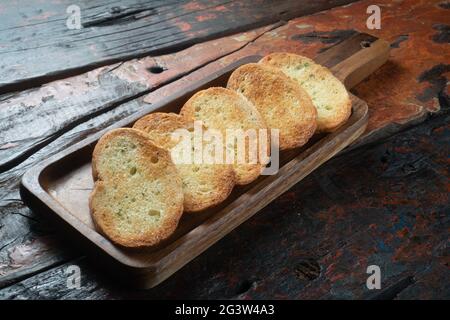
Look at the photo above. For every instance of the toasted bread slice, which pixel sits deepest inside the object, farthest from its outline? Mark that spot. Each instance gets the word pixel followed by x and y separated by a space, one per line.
pixel 204 185
pixel 222 109
pixel 281 102
pixel 137 199
pixel 327 93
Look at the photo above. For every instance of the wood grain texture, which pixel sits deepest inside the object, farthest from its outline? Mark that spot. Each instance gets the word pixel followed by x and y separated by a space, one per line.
pixel 303 35
pixel 413 84
pixel 32 118
pixel 11 178
pixel 404 91
pixel 415 81
pixel 28 242
pixel 63 183
pixel 23 229
pixel 370 206
pixel 34 36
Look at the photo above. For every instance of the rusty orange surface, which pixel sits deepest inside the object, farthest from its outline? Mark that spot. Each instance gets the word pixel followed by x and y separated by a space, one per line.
pixel 410 85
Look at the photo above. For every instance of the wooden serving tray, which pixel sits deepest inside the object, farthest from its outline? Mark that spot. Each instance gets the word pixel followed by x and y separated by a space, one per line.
pixel 60 185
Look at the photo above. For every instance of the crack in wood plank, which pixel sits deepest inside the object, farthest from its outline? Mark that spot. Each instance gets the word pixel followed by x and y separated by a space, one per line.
pixel 73 135
pixel 67 103
pixel 31 51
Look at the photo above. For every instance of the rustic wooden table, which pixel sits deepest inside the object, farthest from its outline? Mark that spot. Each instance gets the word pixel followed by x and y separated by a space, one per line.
pixel 384 202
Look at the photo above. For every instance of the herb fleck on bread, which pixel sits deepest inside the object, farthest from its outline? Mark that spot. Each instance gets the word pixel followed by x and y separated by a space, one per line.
pixel 204 185
pixel 327 93
pixel 137 199
pixel 281 102
pixel 223 109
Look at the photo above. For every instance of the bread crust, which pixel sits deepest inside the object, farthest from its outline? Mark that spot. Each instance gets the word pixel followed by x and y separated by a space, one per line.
pixel 225 109
pixel 204 185
pixel 328 94
pixel 281 102
pixel 116 186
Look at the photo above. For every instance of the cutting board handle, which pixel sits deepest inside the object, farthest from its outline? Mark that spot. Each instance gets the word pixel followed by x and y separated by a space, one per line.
pixel 372 54
pixel 363 63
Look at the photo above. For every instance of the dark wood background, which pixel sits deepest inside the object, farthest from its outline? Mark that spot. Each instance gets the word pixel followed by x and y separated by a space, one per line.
pixel 385 202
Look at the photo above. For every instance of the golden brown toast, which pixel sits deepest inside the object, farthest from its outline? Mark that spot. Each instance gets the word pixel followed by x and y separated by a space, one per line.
pixel 137 199
pixel 204 185
pixel 221 109
pixel 281 102
pixel 327 93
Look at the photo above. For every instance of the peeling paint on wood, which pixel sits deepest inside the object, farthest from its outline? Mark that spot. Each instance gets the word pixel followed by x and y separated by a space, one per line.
pixel 33 117
pixel 395 213
pixel 32 44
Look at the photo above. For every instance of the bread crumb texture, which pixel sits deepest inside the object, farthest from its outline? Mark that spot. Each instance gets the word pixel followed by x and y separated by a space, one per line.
pixel 137 199
pixel 282 103
pixel 204 185
pixel 223 109
pixel 327 93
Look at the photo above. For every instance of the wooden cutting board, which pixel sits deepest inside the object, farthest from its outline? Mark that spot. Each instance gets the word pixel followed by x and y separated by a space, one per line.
pixel 60 186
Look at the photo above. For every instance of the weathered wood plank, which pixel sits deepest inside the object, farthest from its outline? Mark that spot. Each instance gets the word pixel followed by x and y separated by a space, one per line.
pixel 35 37
pixel 424 286
pixel 15 218
pixel 412 90
pixel 10 179
pixel 403 92
pixel 411 85
pixel 317 240
pixel 351 41
pixel 395 101
pixel 401 107
pixel 32 118
pixel 28 242
pixel 414 82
